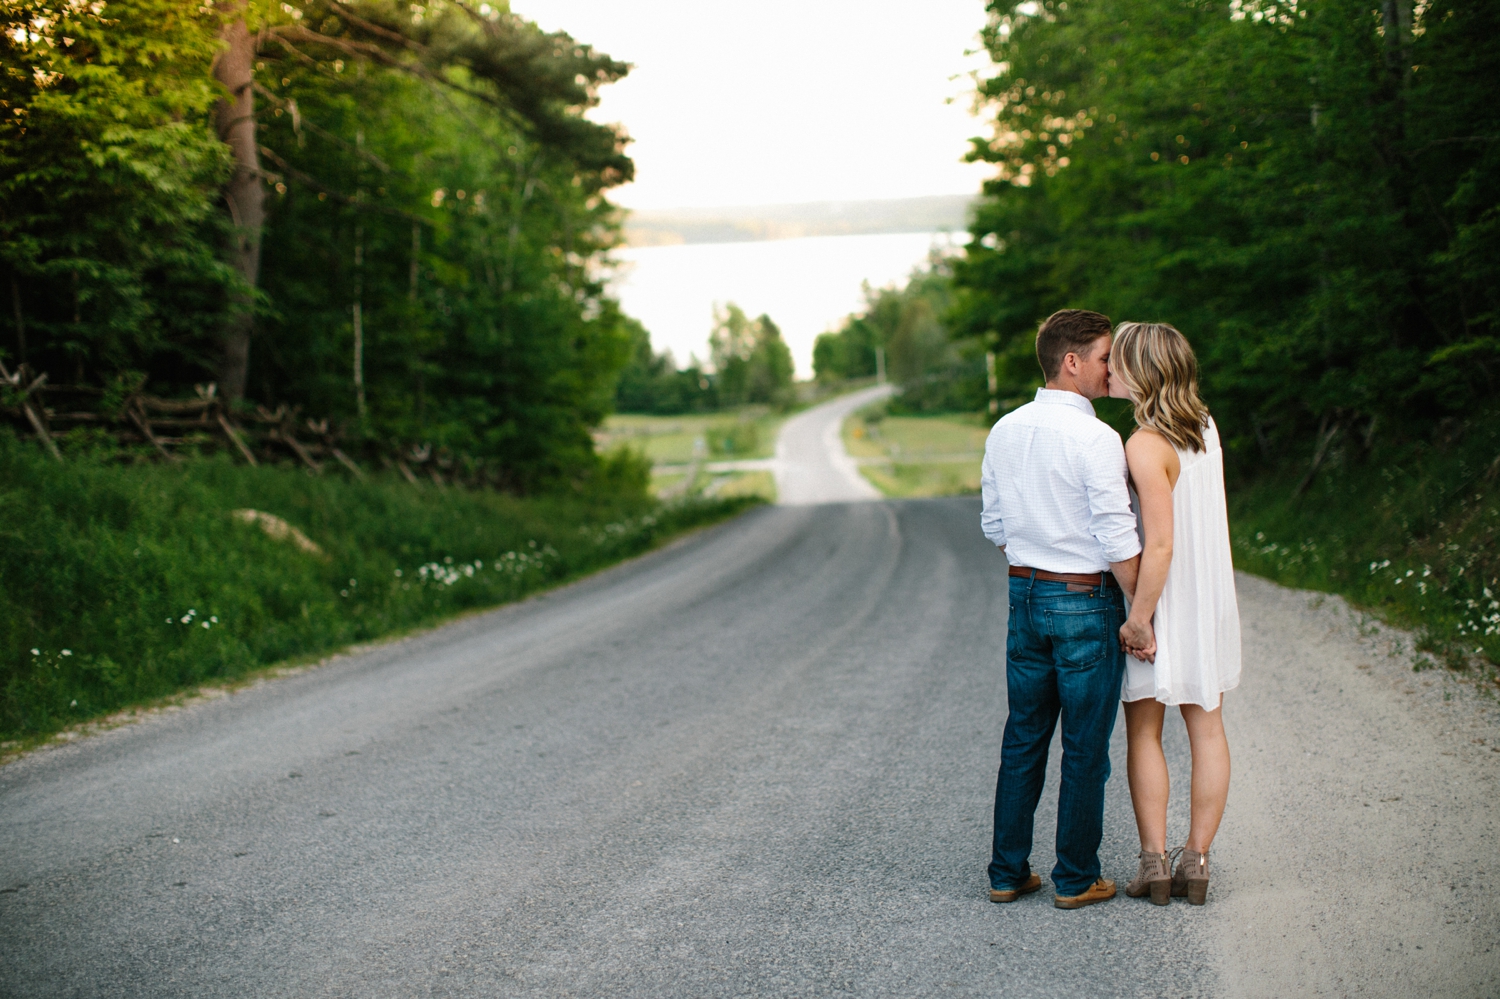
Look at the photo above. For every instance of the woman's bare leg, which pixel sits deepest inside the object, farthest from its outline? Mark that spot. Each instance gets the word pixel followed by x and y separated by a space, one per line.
pixel 1210 773
pixel 1146 766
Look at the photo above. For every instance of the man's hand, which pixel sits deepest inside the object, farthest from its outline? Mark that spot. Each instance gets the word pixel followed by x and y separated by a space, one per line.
pixel 1138 639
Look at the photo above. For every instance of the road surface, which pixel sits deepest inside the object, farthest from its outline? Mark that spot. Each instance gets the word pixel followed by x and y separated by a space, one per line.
pixel 759 762
pixel 811 463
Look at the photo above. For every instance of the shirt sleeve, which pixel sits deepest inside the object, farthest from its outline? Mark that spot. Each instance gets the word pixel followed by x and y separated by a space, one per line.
pixel 990 520
pixel 1111 521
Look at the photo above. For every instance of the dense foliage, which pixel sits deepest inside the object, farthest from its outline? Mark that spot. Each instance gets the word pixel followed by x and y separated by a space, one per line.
pixel 434 209
pixel 109 173
pixel 652 383
pixel 752 363
pixel 909 325
pixel 123 583
pixel 1308 190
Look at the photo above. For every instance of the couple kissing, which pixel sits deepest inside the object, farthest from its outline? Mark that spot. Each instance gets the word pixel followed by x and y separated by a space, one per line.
pixel 1121 588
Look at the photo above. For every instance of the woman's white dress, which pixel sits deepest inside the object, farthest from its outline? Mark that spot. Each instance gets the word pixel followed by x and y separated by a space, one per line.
pixel 1197 620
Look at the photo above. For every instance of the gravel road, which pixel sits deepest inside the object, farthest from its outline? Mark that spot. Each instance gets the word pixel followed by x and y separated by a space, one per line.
pixel 759 762
pixel 811 464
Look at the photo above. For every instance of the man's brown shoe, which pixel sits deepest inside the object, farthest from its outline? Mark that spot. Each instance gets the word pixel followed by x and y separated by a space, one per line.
pixel 1100 891
pixel 1011 894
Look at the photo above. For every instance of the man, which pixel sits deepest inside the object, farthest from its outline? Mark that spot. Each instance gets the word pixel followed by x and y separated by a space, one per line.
pixel 1056 503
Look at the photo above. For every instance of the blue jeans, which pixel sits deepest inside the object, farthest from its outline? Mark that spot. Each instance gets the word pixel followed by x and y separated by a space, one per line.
pixel 1062 655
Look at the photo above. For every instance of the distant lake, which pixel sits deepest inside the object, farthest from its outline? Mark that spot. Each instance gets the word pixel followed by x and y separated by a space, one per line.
pixel 806 285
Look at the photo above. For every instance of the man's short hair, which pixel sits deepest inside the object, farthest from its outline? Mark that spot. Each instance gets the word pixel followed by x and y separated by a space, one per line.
pixel 1069 331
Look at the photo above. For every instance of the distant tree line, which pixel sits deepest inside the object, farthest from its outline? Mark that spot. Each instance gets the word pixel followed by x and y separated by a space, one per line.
pixel 379 212
pixel 750 365
pixel 1309 191
pixel 935 371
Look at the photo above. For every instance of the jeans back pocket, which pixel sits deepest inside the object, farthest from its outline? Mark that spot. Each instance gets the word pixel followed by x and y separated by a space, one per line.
pixel 1080 637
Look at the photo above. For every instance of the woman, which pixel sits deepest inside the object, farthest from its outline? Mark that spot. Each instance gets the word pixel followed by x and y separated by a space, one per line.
pixel 1183 628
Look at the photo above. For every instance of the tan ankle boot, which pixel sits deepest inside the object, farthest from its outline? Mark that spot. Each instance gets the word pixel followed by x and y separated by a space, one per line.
pixel 1191 876
pixel 1154 878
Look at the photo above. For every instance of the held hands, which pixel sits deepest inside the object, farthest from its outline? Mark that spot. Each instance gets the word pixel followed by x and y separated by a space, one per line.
pixel 1138 639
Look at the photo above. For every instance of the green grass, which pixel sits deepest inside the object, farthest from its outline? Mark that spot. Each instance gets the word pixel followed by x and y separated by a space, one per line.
pixel 1412 536
pixel 670 441
pixel 122 583
pixel 745 433
pixel 910 456
pixel 760 485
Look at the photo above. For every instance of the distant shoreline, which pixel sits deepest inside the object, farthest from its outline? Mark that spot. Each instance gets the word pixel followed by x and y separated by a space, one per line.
pixel 758 223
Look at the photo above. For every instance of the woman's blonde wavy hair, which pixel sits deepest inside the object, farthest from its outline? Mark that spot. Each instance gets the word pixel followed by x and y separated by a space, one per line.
pixel 1158 366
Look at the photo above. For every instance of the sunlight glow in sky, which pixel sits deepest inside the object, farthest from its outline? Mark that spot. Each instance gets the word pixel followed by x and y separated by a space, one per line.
pixel 785 100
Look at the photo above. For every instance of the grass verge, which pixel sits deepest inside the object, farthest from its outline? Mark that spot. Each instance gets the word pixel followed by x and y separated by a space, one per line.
pixel 1414 537
pixel 122 584
pixel 908 456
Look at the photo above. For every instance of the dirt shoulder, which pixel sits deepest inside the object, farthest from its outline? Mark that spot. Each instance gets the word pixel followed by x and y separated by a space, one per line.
pixel 1358 853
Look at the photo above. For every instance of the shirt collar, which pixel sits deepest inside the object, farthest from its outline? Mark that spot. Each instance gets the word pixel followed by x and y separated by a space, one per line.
pixel 1057 397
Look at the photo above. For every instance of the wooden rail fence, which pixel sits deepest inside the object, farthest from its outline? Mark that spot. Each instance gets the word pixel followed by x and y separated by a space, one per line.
pixel 46 411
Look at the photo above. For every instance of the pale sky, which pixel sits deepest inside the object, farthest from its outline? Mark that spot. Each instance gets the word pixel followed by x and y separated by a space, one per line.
pixel 734 103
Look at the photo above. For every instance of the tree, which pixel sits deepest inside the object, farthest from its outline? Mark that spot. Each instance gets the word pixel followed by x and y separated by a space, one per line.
pixel 108 179
pixel 910 324
pixel 651 383
pixel 434 202
pixel 245 191
pixel 537 82
pixel 751 361
pixel 1307 191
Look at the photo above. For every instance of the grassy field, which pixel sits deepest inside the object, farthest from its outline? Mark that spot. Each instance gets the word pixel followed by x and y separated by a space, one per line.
pixel 672 443
pixel 123 583
pixel 670 440
pixel 907 456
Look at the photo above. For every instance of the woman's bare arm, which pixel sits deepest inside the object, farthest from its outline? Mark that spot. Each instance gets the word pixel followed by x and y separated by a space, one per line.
pixel 1154 467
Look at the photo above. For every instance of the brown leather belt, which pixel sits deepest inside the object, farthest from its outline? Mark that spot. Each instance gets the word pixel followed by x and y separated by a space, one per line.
pixel 1077 578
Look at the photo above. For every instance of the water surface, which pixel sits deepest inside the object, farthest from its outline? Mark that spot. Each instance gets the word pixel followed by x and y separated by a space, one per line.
pixel 806 285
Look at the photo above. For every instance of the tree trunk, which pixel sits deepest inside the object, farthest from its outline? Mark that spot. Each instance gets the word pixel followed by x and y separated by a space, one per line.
pixel 245 195
pixel 359 320
pixel 15 301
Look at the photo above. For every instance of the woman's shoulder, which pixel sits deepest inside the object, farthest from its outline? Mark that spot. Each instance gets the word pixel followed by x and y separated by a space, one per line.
pixel 1151 440
pixel 1149 453
pixel 1145 441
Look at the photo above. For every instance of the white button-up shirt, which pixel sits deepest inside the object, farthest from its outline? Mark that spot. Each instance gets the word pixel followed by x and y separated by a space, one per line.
pixel 1054 487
